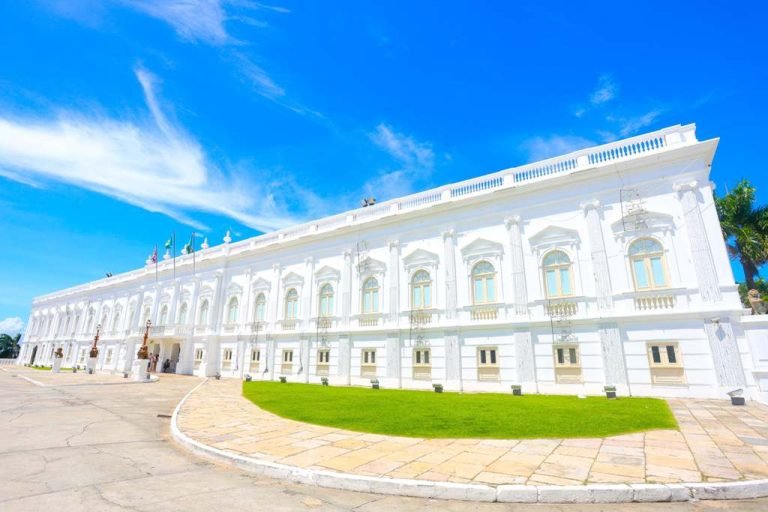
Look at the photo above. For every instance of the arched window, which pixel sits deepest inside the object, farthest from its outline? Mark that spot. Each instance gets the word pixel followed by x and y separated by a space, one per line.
pixel 291 304
pixel 261 306
pixel 202 318
pixel 163 315
pixel 557 274
pixel 232 309
pixel 370 296
pixel 421 290
pixel 183 314
pixel 115 320
pixel 648 268
pixel 326 300
pixel 483 283
pixel 147 315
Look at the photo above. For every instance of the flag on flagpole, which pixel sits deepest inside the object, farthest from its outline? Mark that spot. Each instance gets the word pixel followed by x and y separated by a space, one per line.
pixel 154 260
pixel 171 243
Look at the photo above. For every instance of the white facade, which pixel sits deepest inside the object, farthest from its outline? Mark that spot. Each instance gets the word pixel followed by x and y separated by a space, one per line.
pixel 602 267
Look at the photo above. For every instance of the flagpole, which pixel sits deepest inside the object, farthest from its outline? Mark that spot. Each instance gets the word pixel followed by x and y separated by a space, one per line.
pixel 193 253
pixel 173 239
pixel 155 263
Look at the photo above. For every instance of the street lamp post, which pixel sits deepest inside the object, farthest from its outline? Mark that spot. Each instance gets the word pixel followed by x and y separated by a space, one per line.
pixel 140 363
pixel 94 354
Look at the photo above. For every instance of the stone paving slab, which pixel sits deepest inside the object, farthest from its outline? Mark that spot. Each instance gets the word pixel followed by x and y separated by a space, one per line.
pixel 47 378
pixel 716 442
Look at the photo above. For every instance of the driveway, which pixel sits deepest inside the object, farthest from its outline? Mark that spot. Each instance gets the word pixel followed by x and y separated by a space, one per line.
pixel 106 446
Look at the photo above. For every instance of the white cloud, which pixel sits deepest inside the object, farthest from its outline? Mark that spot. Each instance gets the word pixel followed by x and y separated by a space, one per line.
pixel 154 165
pixel 541 148
pixel 631 125
pixel 193 20
pixel 11 325
pixel 607 88
pixel 415 159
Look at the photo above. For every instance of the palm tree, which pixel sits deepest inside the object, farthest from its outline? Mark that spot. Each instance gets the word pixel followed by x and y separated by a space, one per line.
pixel 745 229
pixel 9 346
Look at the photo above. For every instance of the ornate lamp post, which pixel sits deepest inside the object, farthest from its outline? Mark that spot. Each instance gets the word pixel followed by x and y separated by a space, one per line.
pixel 144 351
pixel 94 350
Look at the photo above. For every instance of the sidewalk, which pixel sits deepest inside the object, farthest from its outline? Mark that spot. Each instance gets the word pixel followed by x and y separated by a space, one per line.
pixel 67 378
pixel 717 443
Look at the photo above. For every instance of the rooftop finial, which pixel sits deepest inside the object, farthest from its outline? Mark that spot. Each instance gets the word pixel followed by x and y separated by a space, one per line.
pixel 204 245
pixel 227 238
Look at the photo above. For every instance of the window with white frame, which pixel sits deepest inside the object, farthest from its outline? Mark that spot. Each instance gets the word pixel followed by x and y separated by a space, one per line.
pixel 487 363
pixel 183 314
pixel 109 356
pixel 287 365
pixel 291 304
pixel 232 309
pixel 163 315
pixel 665 363
pixel 567 363
pixel 147 315
pixel 483 283
pixel 649 269
pixel 227 357
pixel 202 317
pixel 198 355
pixel 115 320
pixel 422 364
pixel 255 359
pixel 326 300
pixel 558 279
pixel 370 296
pixel 81 359
pixel 421 290
pixel 323 361
pixel 260 308
pixel 368 362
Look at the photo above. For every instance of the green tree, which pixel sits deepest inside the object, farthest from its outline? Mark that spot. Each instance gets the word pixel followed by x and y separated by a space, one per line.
pixel 745 229
pixel 9 346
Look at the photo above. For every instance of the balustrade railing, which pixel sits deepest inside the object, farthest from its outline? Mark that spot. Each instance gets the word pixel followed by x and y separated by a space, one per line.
pixel 650 302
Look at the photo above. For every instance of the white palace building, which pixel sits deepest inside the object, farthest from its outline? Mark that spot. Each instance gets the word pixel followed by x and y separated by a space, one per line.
pixel 606 266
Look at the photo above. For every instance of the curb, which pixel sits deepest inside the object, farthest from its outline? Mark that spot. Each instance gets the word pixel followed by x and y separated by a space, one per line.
pixel 591 493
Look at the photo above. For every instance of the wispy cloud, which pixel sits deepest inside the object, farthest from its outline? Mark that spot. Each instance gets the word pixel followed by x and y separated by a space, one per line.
pixel 193 20
pixel 154 165
pixel 541 148
pixel 11 325
pixel 607 89
pixel 415 160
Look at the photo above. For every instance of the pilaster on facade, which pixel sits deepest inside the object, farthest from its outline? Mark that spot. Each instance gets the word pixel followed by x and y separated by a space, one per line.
pixel 701 254
pixel 599 256
pixel 517 260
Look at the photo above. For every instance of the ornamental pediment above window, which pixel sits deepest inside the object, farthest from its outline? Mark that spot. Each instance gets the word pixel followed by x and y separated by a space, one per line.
pixel 643 222
pixel 261 284
pixel 554 236
pixel 369 266
pixel 234 289
pixel 482 248
pixel 292 279
pixel 326 273
pixel 420 258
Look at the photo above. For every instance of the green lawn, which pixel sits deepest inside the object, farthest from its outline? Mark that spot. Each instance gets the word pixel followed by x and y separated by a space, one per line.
pixel 47 368
pixel 481 415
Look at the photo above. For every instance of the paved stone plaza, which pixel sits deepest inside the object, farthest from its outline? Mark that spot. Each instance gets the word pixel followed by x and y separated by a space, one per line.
pixel 717 442
pixel 103 447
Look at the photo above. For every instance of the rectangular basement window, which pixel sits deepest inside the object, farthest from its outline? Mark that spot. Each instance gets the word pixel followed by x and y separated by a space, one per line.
pixel 287 366
pixel 255 359
pixel 665 364
pixel 422 364
pixel 227 358
pixel 368 362
pixel 198 357
pixel 323 361
pixel 487 363
pixel 567 364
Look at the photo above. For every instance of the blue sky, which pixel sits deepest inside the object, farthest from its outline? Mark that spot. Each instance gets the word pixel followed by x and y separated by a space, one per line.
pixel 123 120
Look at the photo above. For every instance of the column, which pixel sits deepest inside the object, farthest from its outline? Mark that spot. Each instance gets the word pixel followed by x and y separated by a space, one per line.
pixel 305 347
pixel 614 363
pixel 394 360
pixel 274 312
pixel 345 358
pixel 244 353
pixel 725 354
pixel 174 304
pixel 703 265
pixel 453 379
pixel 526 362
pixel 186 364
pixel 449 251
pixel 269 358
pixel 308 292
pixel 211 364
pixel 394 282
pixel 346 285
pixel 519 288
pixel 603 290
